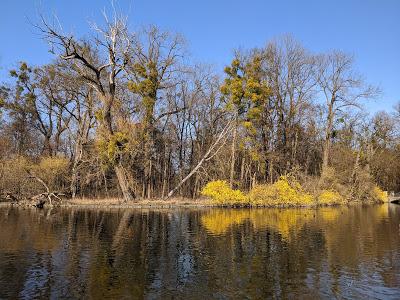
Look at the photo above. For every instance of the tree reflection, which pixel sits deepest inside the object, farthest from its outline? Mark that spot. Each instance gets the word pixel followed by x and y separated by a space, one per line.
pixel 213 253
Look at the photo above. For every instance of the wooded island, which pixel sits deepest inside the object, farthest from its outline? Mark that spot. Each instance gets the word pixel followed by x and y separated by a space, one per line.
pixel 129 114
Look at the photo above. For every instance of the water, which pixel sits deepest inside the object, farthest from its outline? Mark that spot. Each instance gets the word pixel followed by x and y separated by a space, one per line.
pixel 345 253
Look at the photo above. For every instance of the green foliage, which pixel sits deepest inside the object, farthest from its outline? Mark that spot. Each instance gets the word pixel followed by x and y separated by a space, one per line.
pixel 247 94
pixel 146 85
pixel 111 148
pixel 246 90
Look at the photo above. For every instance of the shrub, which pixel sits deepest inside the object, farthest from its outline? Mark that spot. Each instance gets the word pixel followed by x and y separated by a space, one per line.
pixel 263 194
pixel 220 192
pixel 379 195
pixel 15 179
pixel 286 191
pixel 52 166
pixel 13 175
pixel 330 197
pixel 53 170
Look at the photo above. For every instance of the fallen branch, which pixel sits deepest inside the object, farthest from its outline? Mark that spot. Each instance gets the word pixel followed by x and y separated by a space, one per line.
pixel 48 194
pixel 10 197
pixel 207 156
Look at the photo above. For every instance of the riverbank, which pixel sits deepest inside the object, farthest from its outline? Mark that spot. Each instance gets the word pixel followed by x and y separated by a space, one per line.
pixel 141 203
pixel 120 203
pixel 160 203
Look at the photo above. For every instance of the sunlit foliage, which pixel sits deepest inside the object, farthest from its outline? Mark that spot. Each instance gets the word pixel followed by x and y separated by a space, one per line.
pixel 286 191
pixel 52 170
pixel 380 195
pixel 330 197
pixel 220 192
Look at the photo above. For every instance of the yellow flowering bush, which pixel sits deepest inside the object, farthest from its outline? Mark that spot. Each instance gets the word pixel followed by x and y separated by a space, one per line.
pixel 379 195
pixel 220 192
pixel 286 191
pixel 263 194
pixel 330 197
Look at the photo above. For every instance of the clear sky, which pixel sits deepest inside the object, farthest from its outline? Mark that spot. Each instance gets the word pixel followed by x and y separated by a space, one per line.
pixel 369 29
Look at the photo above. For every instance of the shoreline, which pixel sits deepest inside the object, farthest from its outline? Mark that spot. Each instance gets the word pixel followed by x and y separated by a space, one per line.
pixel 165 204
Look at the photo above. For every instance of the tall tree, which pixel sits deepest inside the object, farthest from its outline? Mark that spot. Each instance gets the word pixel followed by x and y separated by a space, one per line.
pixel 98 63
pixel 153 69
pixel 341 88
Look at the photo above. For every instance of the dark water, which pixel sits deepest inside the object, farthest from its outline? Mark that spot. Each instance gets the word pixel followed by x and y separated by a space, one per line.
pixel 348 252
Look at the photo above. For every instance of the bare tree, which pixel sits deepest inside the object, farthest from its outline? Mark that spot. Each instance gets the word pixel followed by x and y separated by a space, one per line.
pixel 153 71
pixel 341 88
pixel 98 63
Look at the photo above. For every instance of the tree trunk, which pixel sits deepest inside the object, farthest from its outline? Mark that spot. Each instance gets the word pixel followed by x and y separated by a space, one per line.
pixel 355 168
pixel 208 155
pixel 123 183
pixel 81 139
pixel 328 135
pixel 233 152
pixel 47 149
pixel 118 168
pixel 242 168
pixel 74 171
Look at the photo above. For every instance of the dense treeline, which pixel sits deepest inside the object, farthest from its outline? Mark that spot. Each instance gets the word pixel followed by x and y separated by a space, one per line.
pixel 128 114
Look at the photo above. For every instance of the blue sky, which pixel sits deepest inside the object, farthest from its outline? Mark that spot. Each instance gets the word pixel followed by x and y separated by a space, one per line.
pixel 369 29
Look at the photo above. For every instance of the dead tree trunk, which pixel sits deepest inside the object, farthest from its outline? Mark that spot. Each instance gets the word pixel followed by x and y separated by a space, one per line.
pixel 207 156
pixel 48 194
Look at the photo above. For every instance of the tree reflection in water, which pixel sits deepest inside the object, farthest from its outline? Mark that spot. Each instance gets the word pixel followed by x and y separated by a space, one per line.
pixel 341 252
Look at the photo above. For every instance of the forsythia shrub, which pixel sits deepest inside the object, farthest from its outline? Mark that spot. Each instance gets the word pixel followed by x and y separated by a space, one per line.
pixel 330 197
pixel 379 195
pixel 286 191
pixel 263 194
pixel 222 194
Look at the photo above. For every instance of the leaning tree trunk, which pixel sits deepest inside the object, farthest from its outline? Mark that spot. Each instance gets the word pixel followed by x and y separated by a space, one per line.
pixel 221 139
pixel 123 183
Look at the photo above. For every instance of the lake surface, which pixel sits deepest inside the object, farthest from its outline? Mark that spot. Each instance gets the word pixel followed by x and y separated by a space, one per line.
pixel 346 253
